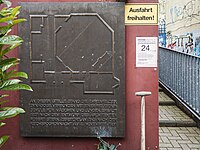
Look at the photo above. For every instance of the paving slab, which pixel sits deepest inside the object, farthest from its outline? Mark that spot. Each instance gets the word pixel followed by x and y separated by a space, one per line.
pixel 183 138
pixel 164 99
pixel 173 116
pixel 177 131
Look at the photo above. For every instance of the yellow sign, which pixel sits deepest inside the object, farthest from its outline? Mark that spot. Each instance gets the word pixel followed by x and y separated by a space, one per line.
pixel 141 14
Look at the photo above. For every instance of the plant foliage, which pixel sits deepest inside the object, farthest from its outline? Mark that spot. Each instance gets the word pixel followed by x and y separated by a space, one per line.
pixel 9 77
pixel 103 145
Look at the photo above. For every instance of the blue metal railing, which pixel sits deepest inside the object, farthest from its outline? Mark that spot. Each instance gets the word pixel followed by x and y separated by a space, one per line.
pixel 180 72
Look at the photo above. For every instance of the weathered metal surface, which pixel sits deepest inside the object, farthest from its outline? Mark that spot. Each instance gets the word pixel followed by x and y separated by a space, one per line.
pixel 74 54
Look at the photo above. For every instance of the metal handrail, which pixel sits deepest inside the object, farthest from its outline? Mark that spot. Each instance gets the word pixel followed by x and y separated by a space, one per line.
pixel 180 72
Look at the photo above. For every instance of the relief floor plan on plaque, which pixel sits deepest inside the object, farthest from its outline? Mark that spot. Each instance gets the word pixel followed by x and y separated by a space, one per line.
pixel 75 60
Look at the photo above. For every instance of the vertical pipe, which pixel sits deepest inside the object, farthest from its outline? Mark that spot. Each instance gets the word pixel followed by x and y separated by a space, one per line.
pixel 181 75
pixel 187 79
pixel 143 123
pixel 173 71
pixel 196 83
pixel 184 74
pixel 143 94
pixel 198 86
pixel 193 82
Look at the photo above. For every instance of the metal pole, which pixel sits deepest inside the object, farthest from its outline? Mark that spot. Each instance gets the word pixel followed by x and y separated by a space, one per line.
pixel 143 94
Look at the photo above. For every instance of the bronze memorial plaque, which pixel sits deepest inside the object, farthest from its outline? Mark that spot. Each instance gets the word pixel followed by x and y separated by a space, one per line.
pixel 74 54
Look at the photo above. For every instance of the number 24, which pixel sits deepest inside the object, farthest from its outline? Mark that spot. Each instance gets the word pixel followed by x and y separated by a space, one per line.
pixel 145 48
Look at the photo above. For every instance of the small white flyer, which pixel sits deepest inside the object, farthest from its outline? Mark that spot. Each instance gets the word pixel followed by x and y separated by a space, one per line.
pixel 146 51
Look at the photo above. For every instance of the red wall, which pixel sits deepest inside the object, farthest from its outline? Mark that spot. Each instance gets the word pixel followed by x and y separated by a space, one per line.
pixel 137 79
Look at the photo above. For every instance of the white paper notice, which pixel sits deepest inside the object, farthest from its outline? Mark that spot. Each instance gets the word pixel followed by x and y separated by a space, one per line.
pixel 146 51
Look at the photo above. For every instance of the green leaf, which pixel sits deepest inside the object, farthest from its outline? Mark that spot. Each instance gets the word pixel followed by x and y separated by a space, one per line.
pixel 18 74
pixel 7 73
pixel 18 87
pixel 16 22
pixel 15 11
pixel 3 139
pixel 10 40
pixel 112 147
pixel 101 146
pixel 4 68
pixel 8 3
pixel 105 147
pixel 8 61
pixel 5 12
pixel 2 124
pixel 6 19
pixel 4 30
pixel 4 95
pixel 2 101
pixel 12 109
pixel 9 83
pixel 8 49
pixel 9 112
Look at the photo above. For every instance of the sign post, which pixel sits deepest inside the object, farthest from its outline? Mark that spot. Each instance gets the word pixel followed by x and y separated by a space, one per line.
pixel 143 94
